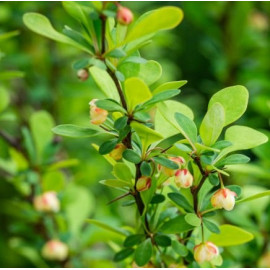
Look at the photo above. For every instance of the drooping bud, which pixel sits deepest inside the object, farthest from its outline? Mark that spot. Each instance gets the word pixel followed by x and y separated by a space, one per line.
pixel 205 252
pixel 47 202
pixel 117 152
pixel 124 15
pixel 170 172
pixel 143 183
pixel 224 198
pixel 97 115
pixel 83 74
pixel 55 250
pixel 183 178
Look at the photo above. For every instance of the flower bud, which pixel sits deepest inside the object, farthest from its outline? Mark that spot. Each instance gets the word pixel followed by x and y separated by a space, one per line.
pixel 143 183
pixel 83 74
pixel 183 178
pixel 47 202
pixel 55 250
pixel 117 152
pixel 224 198
pixel 205 252
pixel 124 15
pixel 97 115
pixel 170 172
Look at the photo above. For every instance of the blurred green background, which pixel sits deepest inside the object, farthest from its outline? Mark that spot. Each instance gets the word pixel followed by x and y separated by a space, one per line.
pixel 218 44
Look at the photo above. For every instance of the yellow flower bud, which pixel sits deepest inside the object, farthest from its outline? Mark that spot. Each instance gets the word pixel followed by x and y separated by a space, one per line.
pixel 183 178
pixel 224 198
pixel 124 15
pixel 143 183
pixel 117 152
pixel 47 202
pixel 205 252
pixel 55 250
pixel 97 115
pixel 170 172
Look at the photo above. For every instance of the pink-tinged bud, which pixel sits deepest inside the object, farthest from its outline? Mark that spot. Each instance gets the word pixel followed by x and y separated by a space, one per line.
pixel 83 74
pixel 169 172
pixel 124 15
pixel 224 198
pixel 47 202
pixel 205 252
pixel 97 115
pixel 143 183
pixel 55 250
pixel 183 178
pixel 117 152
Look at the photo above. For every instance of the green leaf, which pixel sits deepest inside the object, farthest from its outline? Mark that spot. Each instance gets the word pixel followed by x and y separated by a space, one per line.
pixel 187 128
pixel 179 248
pixel 221 144
pixel 158 198
pixel 230 236
pixel 212 124
pixel 233 159
pixel 158 98
pixel 242 138
pixel 122 171
pixel 255 197
pixel 63 164
pixel 123 254
pixel 42 26
pixel 176 225
pixel 213 179
pixel 162 240
pixel 107 146
pixel 115 183
pixel 181 201
pixel 166 163
pixel 133 240
pixel 4 99
pixel 146 168
pixel 116 53
pixel 236 189
pixel 143 252
pixel 110 105
pixel 211 226
pixel 108 227
pixel 233 99
pixel 121 122
pixel 53 181
pixel 104 82
pixel 193 219
pixel 169 142
pixel 168 86
pixel 132 156
pixel 154 21
pixel 75 131
pixel 136 92
pixel 41 124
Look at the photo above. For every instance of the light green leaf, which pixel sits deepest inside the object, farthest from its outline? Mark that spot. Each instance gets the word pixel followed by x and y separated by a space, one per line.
pixel 230 236
pixel 4 99
pixel 75 131
pixel 255 197
pixel 110 105
pixel 234 100
pixel 41 124
pixel 233 159
pixel 193 219
pixel 179 248
pixel 242 138
pixel 11 74
pixel 53 181
pixel 153 21
pixel 143 252
pixel 104 82
pixel 212 124
pixel 63 164
pixel 122 172
pixel 42 26
pixel 168 86
pixel 115 183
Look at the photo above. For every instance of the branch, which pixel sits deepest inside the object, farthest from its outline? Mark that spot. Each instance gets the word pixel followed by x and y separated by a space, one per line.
pixel 10 140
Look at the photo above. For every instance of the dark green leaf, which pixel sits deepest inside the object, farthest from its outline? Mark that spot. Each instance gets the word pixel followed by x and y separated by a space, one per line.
pixel 169 142
pixel 108 146
pixel 146 168
pixel 181 201
pixel 120 123
pixel 143 252
pixel 213 179
pixel 158 198
pixel 211 226
pixel 128 203
pixel 133 240
pixel 221 144
pixel 131 156
pixel 162 240
pixel 166 163
pixel 117 53
pixel 123 254
pixel 233 159
pixel 110 105
pixel 179 248
pixel 176 225
pixel 82 63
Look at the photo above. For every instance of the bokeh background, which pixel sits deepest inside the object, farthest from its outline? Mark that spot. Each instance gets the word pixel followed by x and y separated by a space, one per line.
pixel 218 44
